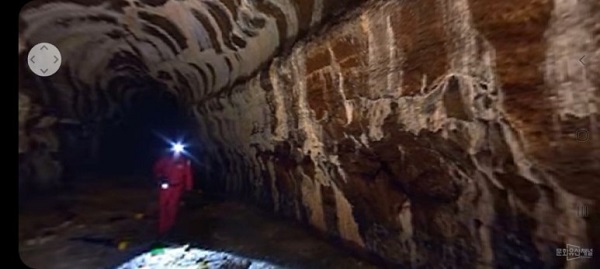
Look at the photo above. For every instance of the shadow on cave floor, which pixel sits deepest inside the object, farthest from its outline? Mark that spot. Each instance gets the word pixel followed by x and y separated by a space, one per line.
pixel 107 215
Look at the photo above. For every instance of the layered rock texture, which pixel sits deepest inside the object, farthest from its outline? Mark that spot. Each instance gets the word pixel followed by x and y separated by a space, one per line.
pixel 434 134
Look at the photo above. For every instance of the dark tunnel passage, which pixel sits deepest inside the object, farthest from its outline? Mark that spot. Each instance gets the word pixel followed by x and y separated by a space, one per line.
pixel 132 145
pixel 321 134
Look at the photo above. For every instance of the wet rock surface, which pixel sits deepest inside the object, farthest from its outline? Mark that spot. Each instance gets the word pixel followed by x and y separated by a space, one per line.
pixel 433 134
pixel 110 226
pixel 186 257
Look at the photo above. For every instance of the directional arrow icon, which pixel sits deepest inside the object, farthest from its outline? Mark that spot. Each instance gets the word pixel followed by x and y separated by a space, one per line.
pixel 44 59
pixel 580 60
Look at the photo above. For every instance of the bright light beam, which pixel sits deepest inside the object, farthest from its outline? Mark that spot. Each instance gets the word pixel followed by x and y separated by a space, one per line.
pixel 180 149
pixel 177 147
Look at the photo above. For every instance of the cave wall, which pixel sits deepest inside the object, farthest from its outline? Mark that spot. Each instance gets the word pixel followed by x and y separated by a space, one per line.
pixel 461 133
pixel 113 49
pixel 456 133
pixel 38 144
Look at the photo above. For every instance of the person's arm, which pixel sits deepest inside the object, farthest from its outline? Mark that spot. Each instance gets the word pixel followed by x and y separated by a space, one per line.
pixel 189 183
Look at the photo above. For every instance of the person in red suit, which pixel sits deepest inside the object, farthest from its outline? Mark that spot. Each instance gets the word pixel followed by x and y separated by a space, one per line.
pixel 174 172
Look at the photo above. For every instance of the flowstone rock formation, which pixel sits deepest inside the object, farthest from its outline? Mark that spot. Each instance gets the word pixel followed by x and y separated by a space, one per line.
pixel 434 134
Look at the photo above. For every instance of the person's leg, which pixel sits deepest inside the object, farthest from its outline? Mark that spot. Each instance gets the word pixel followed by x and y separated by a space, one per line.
pixel 176 196
pixel 164 212
pixel 161 211
pixel 172 206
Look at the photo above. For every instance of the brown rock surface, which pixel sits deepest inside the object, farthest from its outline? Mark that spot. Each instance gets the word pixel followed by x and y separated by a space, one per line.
pixel 460 134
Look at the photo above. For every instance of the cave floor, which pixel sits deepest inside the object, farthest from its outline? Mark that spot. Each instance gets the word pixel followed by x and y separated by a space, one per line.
pixel 105 226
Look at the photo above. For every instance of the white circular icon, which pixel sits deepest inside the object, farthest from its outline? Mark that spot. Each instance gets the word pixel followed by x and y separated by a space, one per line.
pixel 44 59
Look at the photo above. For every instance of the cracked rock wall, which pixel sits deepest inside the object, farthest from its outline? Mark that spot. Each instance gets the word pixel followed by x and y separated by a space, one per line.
pixel 460 134
pixel 433 133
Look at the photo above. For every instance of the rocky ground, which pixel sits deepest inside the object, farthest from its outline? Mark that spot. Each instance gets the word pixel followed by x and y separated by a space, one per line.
pixel 106 226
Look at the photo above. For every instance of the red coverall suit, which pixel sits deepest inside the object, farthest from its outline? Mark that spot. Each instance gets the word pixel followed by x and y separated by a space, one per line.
pixel 177 171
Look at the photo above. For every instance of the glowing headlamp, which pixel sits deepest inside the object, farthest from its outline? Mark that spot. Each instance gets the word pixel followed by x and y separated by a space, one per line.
pixel 177 147
pixel 164 186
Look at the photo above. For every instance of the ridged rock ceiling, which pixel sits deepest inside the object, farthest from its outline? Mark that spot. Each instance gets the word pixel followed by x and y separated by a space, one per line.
pixel 461 134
